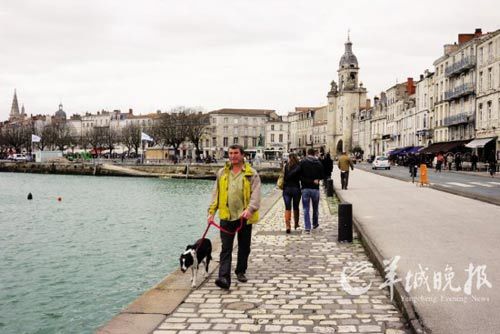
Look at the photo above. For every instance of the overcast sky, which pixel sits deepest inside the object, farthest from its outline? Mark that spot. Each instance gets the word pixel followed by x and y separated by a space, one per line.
pixel 158 54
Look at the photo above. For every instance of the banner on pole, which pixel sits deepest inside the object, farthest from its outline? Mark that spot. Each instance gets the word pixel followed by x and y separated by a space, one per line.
pixel 145 137
pixel 35 139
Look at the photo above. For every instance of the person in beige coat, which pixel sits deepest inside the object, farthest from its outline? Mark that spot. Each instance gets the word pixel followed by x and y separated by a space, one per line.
pixel 344 164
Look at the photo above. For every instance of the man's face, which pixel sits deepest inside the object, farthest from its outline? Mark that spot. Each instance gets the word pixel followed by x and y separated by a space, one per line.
pixel 235 156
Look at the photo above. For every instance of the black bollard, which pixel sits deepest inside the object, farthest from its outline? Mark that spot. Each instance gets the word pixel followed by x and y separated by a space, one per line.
pixel 329 188
pixel 345 222
pixel 30 196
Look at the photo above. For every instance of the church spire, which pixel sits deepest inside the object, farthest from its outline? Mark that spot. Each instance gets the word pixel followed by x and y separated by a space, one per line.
pixel 14 110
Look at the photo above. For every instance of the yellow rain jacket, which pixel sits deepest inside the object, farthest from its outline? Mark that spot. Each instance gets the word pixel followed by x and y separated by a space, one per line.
pixel 251 193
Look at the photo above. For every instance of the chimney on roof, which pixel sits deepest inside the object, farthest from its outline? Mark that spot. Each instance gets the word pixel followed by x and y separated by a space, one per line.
pixel 478 32
pixel 130 111
pixel 410 86
pixel 421 77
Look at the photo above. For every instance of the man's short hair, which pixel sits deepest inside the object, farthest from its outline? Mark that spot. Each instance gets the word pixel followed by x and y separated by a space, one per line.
pixel 311 151
pixel 237 147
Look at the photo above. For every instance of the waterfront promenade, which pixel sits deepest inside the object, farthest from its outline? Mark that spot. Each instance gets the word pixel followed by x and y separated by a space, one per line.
pixel 294 287
pixel 437 236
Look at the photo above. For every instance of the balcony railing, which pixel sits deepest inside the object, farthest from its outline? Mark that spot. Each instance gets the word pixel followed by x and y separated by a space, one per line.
pixel 464 117
pixel 426 133
pixel 460 66
pixel 459 91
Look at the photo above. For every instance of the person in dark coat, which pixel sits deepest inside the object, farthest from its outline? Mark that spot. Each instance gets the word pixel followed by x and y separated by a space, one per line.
pixel 473 159
pixel 327 163
pixel 458 162
pixel 311 172
pixel 291 191
pixel 413 165
pixel 492 165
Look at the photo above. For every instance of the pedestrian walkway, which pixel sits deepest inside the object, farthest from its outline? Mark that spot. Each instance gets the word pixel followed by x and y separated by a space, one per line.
pixel 447 248
pixel 294 287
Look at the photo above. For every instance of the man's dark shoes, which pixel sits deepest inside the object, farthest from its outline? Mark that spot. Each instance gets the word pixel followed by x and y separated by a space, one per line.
pixel 315 226
pixel 222 283
pixel 242 278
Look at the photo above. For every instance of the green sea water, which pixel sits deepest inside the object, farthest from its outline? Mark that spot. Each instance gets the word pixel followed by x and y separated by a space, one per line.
pixel 69 266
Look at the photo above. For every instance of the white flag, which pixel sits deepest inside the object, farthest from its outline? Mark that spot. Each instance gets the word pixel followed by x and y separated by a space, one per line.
pixel 145 137
pixel 35 139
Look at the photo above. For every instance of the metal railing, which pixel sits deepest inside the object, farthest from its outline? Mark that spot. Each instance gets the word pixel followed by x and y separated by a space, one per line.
pixel 460 66
pixel 426 133
pixel 459 91
pixel 464 117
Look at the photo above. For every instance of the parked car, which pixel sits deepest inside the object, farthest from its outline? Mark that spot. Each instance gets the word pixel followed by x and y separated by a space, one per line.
pixel 381 162
pixel 18 157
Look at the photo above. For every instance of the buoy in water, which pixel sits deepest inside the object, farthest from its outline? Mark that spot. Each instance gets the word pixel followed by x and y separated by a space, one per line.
pixel 30 196
pixel 59 199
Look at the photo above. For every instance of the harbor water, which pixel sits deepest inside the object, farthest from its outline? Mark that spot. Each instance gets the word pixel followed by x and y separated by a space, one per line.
pixel 85 247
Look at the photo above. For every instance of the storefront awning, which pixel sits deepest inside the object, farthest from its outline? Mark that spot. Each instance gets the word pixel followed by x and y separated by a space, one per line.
pixel 444 146
pixel 414 150
pixel 404 150
pixel 479 143
pixel 396 151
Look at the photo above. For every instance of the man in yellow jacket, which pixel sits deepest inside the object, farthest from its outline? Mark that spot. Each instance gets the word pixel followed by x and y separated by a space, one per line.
pixel 236 195
pixel 344 164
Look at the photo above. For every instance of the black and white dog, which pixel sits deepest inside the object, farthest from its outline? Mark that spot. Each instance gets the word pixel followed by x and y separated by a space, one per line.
pixel 194 255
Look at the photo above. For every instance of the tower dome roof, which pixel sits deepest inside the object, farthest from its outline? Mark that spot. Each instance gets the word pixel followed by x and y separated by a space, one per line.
pixel 348 59
pixel 60 113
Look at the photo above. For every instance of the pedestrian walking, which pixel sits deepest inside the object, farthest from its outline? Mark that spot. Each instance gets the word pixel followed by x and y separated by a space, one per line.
pixel 327 163
pixel 458 162
pixel 473 159
pixel 291 191
pixel 311 173
pixel 449 160
pixel 236 195
pixel 344 164
pixel 439 162
pixel 413 166
pixel 492 165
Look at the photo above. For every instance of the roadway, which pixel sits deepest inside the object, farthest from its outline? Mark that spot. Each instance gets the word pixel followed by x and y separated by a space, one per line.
pixel 438 237
pixel 479 185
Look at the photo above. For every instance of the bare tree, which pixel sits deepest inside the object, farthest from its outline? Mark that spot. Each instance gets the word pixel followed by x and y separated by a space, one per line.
pixel 62 135
pixel 181 124
pixel 131 137
pixel 17 136
pixel 196 127
pixel 111 137
pixel 95 138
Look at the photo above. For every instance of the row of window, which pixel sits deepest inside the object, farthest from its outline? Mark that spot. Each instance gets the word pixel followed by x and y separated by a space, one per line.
pixel 246 131
pixel 238 120
pixel 490 83
pixel 485 114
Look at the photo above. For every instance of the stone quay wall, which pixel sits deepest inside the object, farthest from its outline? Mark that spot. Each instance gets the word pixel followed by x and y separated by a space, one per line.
pixel 193 171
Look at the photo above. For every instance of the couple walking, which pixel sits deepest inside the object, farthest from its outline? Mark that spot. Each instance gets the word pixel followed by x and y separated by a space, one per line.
pixel 301 180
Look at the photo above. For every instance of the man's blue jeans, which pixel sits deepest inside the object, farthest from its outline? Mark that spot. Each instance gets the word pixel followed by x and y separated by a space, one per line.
pixel 310 195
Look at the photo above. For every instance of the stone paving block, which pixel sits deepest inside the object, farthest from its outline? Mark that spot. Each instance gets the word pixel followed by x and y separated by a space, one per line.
pixel 294 287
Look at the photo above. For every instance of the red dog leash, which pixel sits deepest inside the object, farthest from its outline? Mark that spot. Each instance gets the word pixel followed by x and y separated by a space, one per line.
pixel 212 222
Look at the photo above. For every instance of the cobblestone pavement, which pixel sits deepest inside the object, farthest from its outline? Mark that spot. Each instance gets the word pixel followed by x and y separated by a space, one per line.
pixel 294 287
